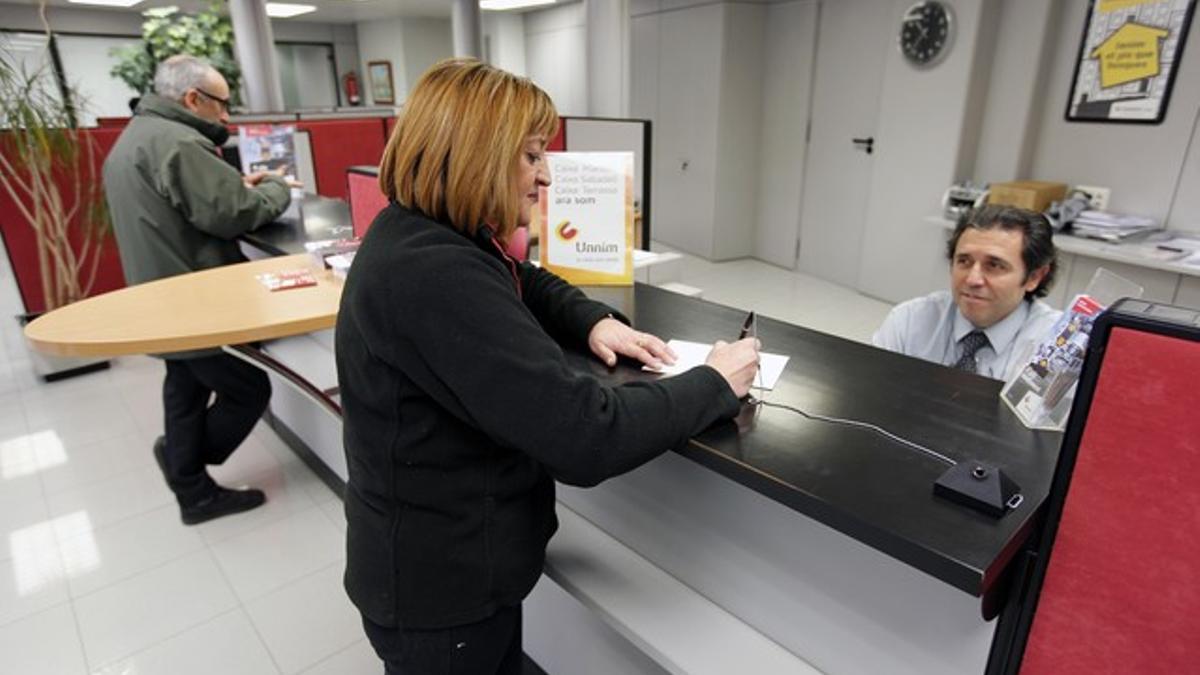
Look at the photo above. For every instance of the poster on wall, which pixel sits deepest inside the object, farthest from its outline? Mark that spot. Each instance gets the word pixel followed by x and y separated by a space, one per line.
pixel 1127 60
pixel 380 75
pixel 586 218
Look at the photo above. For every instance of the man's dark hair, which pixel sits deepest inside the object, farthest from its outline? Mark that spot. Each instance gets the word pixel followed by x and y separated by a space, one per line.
pixel 1037 249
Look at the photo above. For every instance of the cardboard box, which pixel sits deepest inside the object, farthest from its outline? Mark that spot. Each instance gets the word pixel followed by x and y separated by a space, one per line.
pixel 1035 195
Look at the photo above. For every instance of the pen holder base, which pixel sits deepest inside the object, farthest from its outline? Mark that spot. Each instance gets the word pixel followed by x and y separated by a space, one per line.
pixel 979 486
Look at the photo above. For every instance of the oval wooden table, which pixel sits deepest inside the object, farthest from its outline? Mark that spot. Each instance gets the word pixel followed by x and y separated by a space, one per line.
pixel 225 307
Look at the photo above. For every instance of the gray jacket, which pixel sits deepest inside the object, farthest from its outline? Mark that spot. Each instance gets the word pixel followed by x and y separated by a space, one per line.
pixel 176 205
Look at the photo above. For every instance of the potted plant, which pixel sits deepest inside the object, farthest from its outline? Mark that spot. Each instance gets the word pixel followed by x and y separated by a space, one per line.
pixel 48 170
pixel 166 32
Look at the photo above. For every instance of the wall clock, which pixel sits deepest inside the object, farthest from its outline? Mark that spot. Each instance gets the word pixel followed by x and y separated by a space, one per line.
pixel 926 32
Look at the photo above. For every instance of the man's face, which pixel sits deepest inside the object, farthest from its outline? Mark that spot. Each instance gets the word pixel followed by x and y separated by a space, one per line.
pixel 208 101
pixel 987 274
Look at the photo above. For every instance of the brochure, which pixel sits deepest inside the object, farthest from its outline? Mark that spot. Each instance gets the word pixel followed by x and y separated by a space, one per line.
pixel 287 279
pixel 268 147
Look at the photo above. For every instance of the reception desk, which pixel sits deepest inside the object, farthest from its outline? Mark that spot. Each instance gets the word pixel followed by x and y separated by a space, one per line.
pixel 794 545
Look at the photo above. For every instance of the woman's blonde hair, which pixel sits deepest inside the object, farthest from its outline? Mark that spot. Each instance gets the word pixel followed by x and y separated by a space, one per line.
pixel 453 154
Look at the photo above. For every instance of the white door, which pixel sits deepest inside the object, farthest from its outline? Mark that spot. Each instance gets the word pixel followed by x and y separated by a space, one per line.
pixel 790 51
pixel 852 42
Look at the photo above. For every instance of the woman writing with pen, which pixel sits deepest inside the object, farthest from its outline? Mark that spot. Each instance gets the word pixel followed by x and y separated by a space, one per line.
pixel 460 409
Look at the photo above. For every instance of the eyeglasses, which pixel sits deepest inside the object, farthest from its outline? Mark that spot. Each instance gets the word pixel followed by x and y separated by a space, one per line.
pixel 224 102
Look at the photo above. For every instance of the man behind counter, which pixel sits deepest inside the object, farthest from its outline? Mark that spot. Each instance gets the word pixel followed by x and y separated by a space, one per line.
pixel 177 207
pixel 1002 260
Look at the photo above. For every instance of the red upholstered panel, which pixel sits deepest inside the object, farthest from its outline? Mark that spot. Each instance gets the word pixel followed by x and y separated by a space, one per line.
pixel 388 125
pixel 340 144
pixel 21 242
pixel 366 200
pixel 1121 593
pixel 559 142
pixel 112 122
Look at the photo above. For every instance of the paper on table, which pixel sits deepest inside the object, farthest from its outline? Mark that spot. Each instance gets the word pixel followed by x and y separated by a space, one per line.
pixel 692 354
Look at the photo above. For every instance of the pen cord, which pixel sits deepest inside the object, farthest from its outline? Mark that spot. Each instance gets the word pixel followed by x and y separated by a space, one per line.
pixel 862 425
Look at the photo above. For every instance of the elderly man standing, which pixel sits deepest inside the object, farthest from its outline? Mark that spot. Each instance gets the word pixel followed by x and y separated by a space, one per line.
pixel 178 207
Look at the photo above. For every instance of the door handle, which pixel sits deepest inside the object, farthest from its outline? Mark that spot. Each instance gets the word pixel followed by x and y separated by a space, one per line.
pixel 867 144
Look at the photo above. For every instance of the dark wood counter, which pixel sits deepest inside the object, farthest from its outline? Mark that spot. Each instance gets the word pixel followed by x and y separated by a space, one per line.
pixel 855 481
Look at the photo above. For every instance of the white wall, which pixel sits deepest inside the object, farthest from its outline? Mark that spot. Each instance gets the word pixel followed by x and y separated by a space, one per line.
pixel 787 75
pixel 426 41
pixel 556 55
pixel 683 104
pixel 922 119
pixel 739 128
pixel 504 33
pixel 412 45
pixel 1142 164
pixel 379 41
pixel 1185 209
pixel 1016 86
pixel 71 20
pixel 87 63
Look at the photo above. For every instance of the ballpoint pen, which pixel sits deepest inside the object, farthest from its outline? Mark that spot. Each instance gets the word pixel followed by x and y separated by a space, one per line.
pixel 746 326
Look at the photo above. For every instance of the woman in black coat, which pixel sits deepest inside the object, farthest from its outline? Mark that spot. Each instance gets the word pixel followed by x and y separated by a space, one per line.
pixel 460 409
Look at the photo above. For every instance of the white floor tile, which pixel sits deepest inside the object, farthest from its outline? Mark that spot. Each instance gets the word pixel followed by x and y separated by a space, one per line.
pixel 286 495
pixel 12 416
pixel 127 617
pixel 45 643
pixel 227 645
pixel 307 621
pixel 336 512
pixel 20 468
pixel 87 463
pixel 32 579
pixel 95 559
pixel 357 659
pixel 269 557
pixel 249 461
pixel 111 500
pixel 77 424
pixel 19 514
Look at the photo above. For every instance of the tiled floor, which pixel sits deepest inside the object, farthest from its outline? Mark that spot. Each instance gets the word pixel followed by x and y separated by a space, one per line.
pixel 97 575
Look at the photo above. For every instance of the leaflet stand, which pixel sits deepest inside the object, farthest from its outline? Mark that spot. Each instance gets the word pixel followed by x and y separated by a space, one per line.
pixel 1039 393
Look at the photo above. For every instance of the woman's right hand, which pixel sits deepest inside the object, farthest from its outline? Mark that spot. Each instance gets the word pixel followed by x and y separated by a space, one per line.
pixel 737 362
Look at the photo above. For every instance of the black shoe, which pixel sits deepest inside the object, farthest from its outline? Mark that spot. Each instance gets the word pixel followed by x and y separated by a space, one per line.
pixel 223 503
pixel 160 447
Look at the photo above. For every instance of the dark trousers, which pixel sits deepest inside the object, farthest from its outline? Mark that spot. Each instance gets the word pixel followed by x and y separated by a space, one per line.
pixel 489 647
pixel 199 433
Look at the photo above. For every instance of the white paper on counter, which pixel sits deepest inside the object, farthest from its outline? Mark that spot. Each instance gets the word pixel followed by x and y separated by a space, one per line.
pixel 692 354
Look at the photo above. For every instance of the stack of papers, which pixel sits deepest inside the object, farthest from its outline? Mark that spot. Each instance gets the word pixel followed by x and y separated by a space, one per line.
pixel 1111 226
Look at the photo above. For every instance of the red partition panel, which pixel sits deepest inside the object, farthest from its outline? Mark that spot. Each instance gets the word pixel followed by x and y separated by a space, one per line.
pixel 366 200
pixel 559 142
pixel 1120 593
pixel 388 125
pixel 112 122
pixel 339 144
pixel 21 243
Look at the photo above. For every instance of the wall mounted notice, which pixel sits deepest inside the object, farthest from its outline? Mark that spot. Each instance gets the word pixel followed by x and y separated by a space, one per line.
pixel 586 218
pixel 1128 58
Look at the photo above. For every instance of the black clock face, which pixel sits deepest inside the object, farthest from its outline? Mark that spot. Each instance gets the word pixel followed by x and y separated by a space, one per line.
pixel 925 32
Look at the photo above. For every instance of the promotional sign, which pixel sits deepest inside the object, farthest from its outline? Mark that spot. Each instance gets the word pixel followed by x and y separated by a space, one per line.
pixel 586 218
pixel 1127 60
pixel 268 147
